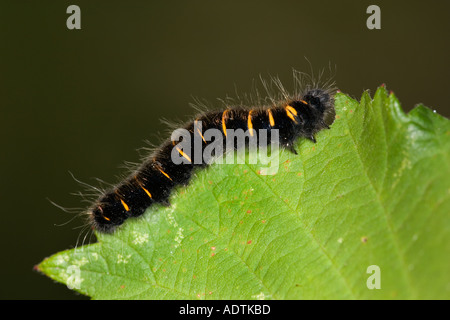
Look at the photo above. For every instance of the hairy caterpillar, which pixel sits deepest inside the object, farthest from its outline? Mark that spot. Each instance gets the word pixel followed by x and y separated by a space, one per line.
pixel 301 114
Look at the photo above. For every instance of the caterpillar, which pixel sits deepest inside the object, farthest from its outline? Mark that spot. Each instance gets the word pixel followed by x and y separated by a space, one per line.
pixel 301 114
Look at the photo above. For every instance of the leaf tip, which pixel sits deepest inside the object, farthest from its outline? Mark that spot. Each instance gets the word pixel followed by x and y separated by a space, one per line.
pixel 37 268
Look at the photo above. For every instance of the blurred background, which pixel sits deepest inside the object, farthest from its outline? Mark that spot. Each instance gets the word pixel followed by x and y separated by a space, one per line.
pixel 85 100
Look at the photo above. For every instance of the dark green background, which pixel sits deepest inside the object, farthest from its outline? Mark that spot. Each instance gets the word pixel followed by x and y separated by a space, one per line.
pixel 85 100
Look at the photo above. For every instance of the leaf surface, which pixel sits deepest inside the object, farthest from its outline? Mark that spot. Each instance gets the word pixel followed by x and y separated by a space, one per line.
pixel 373 190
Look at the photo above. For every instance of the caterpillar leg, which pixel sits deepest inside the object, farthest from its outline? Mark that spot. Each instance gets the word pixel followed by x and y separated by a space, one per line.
pixel 291 148
pixel 165 203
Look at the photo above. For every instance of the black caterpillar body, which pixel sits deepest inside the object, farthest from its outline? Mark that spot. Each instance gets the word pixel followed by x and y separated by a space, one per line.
pixel 300 115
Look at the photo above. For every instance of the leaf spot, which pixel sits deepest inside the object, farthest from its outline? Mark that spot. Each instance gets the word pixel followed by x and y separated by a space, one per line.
pixel 139 238
pixel 122 259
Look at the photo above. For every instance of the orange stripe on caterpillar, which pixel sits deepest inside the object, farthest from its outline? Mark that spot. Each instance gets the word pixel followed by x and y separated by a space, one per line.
pixel 161 170
pixel 184 155
pixel 126 207
pixel 249 123
pixel 271 120
pixel 291 113
pixel 224 127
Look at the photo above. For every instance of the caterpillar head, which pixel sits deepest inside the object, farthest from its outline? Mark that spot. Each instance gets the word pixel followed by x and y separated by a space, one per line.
pixel 322 102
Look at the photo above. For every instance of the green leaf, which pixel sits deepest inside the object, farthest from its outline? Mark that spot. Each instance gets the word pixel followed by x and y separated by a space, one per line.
pixel 374 190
